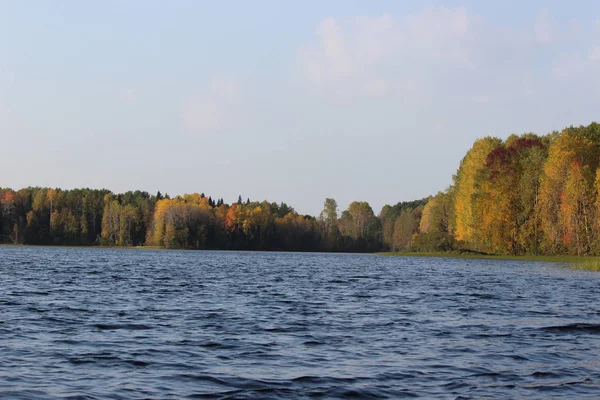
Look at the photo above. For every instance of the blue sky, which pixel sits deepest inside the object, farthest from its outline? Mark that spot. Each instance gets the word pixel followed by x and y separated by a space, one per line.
pixel 285 101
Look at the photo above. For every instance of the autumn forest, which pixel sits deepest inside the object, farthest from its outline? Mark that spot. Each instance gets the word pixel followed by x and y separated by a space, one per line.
pixel 528 194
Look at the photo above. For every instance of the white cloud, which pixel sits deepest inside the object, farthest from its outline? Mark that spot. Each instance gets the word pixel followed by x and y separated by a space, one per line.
pixel 330 60
pixel 214 111
pixel 366 54
pixel 545 28
pixel 447 54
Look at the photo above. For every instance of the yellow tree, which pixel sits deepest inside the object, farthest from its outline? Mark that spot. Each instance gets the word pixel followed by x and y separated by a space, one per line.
pixel 362 219
pixel 465 185
pixel 435 232
pixel 576 214
pixel 387 216
pixel 581 144
pixel 528 189
pixel 157 231
pixel 596 242
pixel 437 214
pixel 404 228
pixel 501 204
pixel 426 225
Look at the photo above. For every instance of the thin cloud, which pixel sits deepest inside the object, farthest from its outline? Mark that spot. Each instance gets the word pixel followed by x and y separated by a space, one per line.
pixel 214 111
pixel 447 53
pixel 367 54
pixel 545 28
pixel 329 60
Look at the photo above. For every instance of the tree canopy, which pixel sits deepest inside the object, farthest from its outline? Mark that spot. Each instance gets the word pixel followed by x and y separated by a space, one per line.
pixel 527 194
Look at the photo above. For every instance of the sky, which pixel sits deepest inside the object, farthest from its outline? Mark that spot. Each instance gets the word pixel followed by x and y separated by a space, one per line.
pixel 373 101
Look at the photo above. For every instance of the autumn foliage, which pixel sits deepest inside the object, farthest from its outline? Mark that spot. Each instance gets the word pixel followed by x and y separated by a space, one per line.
pixel 192 221
pixel 527 194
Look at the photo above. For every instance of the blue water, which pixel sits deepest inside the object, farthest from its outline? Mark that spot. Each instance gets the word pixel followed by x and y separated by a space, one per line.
pixel 122 324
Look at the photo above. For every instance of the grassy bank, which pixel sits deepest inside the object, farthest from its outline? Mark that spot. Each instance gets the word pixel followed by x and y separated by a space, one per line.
pixel 578 262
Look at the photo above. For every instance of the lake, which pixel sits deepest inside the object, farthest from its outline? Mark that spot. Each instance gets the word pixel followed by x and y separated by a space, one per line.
pixel 120 324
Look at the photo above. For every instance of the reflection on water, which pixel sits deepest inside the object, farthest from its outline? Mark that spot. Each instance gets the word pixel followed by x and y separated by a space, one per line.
pixel 102 323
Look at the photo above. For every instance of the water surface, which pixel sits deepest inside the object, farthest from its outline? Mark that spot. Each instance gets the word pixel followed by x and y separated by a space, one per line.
pixel 121 324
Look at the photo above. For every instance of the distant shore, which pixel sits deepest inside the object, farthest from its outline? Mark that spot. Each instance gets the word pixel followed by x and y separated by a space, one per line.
pixel 172 249
pixel 591 263
pixel 86 247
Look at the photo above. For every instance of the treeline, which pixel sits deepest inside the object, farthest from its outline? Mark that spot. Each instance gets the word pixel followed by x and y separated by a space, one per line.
pixel 42 216
pixel 527 194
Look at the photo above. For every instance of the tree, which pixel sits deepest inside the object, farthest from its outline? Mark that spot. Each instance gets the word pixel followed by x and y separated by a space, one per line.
pixel 437 214
pixel 328 220
pixel 387 217
pixel 465 182
pixel 576 213
pixel 404 228
pixel 359 224
pixel 572 144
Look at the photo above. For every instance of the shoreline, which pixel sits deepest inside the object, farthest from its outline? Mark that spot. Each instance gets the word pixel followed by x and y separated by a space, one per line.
pixel 590 263
pixel 86 247
pixel 58 246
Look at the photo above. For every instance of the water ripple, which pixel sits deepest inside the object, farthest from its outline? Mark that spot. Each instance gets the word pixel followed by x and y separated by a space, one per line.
pixel 121 324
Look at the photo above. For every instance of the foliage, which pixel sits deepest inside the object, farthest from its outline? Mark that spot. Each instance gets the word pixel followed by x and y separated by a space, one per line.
pixel 526 195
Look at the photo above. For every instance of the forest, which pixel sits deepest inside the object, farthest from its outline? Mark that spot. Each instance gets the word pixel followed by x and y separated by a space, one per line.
pixel 87 217
pixel 527 194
